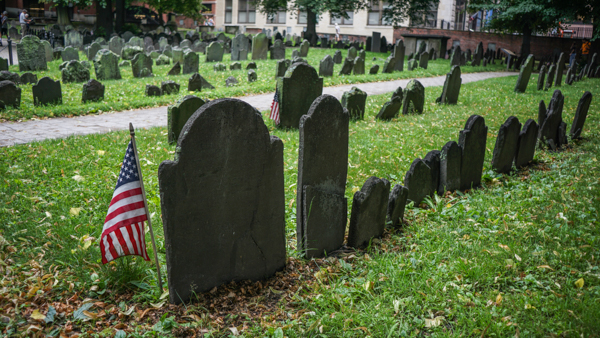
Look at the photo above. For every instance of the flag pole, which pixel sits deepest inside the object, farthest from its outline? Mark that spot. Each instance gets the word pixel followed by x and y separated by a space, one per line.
pixel 139 169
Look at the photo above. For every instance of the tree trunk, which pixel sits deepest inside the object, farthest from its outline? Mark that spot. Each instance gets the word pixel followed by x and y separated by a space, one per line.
pixel 311 21
pixel 526 45
pixel 62 15
pixel 104 17
pixel 120 19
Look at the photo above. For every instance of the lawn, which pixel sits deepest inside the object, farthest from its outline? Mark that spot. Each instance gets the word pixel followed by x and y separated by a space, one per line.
pixel 518 257
pixel 129 93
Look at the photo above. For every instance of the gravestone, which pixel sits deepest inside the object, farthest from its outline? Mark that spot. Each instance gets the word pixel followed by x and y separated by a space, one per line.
pixel 542 77
pixel 359 66
pixel 455 58
pixel 398 53
pixel 527 143
pixel 252 77
pixel 390 109
pixel 374 69
pixel 28 78
pixel 414 98
pixel 423 60
pixel 177 54
pixel 300 86
pixel 376 42
pixel 74 39
pixel 179 113
pixel 183 44
pixel 550 77
pixel 127 36
pixel 136 41
pixel 93 90
pixel 472 141
pixel 169 87
pixel 369 211
pixel 282 67
pixel 10 94
pixel 197 83
pixel 251 65
pixel 92 50
pixel 432 160
pixel 245 222
pixel 128 52
pixel 75 72
pixel 560 68
pixel 550 122
pixel 507 142
pixel 451 88
pixel 397 204
pixel 214 53
pixel 31 54
pixel 569 77
pixel 450 166
pixel 277 50
pixel 525 74
pixel 412 64
pixel 116 44
pixel 337 57
pixel 3 64
pixel 140 62
pixel 418 181
pixel 322 171
pixel 219 67
pixel 304 46
pixel 260 47
pixel 352 53
pixel 190 62
pixel 580 115
pixel 175 70
pixel 48 52
pixel 69 54
pixel 235 66
pixel 163 60
pixel 354 102
pixel 46 91
pixel 231 81
pixel 326 66
pixel 8 76
pixel 239 48
pixel 148 43
pixel 389 65
pixel 295 54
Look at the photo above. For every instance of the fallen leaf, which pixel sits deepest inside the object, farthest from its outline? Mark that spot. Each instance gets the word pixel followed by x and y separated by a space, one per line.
pixel 529 307
pixel 100 152
pixel 78 178
pixel 499 299
pixel 234 330
pixel 505 247
pixel 545 267
pixel 517 257
pixel 368 286
pixel 37 315
pixel 74 211
pixel 579 283
pixel 435 322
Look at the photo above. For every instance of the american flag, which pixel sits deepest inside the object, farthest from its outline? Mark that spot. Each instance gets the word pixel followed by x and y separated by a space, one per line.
pixel 275 108
pixel 123 232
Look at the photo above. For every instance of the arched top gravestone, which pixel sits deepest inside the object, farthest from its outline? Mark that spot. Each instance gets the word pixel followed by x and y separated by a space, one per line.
pixel 580 115
pixel 73 38
pixel 300 86
pixel 525 74
pixel 239 48
pixel 260 47
pixel 451 87
pixel 179 113
pixel 214 52
pixel 222 200
pixel 31 54
pixel 472 141
pixel 506 145
pixel 106 65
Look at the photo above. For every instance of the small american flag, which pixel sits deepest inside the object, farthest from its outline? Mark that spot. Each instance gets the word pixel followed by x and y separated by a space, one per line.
pixel 123 232
pixel 275 108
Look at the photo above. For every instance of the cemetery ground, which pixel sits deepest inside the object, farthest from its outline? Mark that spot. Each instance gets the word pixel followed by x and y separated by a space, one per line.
pixel 518 257
pixel 129 92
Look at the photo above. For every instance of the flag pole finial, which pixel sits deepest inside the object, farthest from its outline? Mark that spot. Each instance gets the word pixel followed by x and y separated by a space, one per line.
pixel 131 130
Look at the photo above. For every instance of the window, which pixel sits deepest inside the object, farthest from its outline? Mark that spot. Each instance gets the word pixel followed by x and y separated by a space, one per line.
pixel 427 18
pixel 278 17
pixel 246 12
pixel 342 20
pixel 302 18
pixel 228 11
pixel 376 8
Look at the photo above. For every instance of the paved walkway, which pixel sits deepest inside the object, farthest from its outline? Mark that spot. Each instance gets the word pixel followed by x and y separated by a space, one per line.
pixel 25 132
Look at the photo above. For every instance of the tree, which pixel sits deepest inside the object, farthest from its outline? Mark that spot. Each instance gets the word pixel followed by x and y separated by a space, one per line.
pixel 190 8
pixel 104 17
pixel 62 8
pixel 522 16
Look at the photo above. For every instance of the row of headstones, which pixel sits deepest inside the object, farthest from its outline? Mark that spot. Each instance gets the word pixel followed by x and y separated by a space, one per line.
pixel 479 58
pixel 195 83
pixel 47 91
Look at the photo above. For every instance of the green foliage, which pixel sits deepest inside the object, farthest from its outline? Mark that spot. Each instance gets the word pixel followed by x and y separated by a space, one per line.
pixel 190 8
pixel 415 10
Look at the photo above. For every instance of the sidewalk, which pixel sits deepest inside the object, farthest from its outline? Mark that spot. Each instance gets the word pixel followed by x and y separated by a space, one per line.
pixel 24 132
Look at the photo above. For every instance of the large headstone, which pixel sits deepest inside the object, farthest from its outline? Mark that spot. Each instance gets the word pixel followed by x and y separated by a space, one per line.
pixel 472 141
pixel 48 52
pixel 140 62
pixel 106 65
pixel 398 53
pixel 369 211
pixel 451 87
pixel 525 74
pixel 75 72
pixel 326 66
pixel 300 86
pixel 423 60
pixel 10 94
pixel 260 47
pixel 92 50
pixel 31 54
pixel 527 143
pixel 277 50
pixel 304 46
pixel 92 91
pixel 376 42
pixel 550 122
pixel 455 58
pixel 47 91
pixel 322 171
pixel 214 53
pixel 450 166
pixel 414 98
pixel 190 62
pixel 418 181
pixel 354 101
pixel 74 39
pixel 197 83
pixel 240 47
pixel 397 204
pixel 580 115
pixel 223 199
pixel 359 66
pixel 179 113
pixel 542 77
pixel 560 68
pixel 69 54
pixel 352 53
pixel 506 145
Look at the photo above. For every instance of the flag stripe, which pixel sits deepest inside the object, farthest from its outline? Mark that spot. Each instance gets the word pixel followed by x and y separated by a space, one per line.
pixel 126 222
pixel 125 212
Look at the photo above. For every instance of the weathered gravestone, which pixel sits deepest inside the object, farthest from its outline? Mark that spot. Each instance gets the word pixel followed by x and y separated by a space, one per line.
pixel 568 77
pixel 260 47
pixel 190 62
pixel 451 87
pixel 140 62
pixel 177 54
pixel 304 46
pixel 432 160
pixel 390 109
pixel 423 60
pixel 128 52
pixel 231 81
pixel 347 67
pixel 73 38
pixel 322 171
pixel 179 113
pixel 116 44
pixel 560 68
pixel 251 65
pixel 337 57
pixel 136 41
pixel 551 120
pixel 219 67
pixel 197 83
pixel 3 64
pixel 527 144
pixel 163 60
pixel 550 77
pixel 10 94
pixel 376 42
pixel 214 52
pixel 580 115
pixel 369 211
pixel 300 86
pixel 374 69
pixel 239 48
pixel 183 44
pixel 326 66
pixel 69 54
pixel 478 55
pixel 223 199
pixel 418 181
pixel 48 52
pixel 359 66
pixel 389 65
pixel 282 67
pixel 277 50
pixel 352 53
pixel 542 77
pixel 398 53
pixel 295 54
pixel 412 64
pixel 152 90
pixel 252 76
pixel 450 166
pixel 75 72
pixel 8 76
pixel 397 204
pixel 28 78
pixel 169 87
pixel 525 74
pixel 47 91
pixel 127 36
pixel 93 90
pixel 106 65
pixel 31 54
pixel 472 141
pixel 354 101
pixel 455 58
pixel 92 50
pixel 235 66
pixel 414 98
pixel 507 143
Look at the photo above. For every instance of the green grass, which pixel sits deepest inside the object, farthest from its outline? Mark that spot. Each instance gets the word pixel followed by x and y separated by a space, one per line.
pixel 129 93
pixel 499 261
